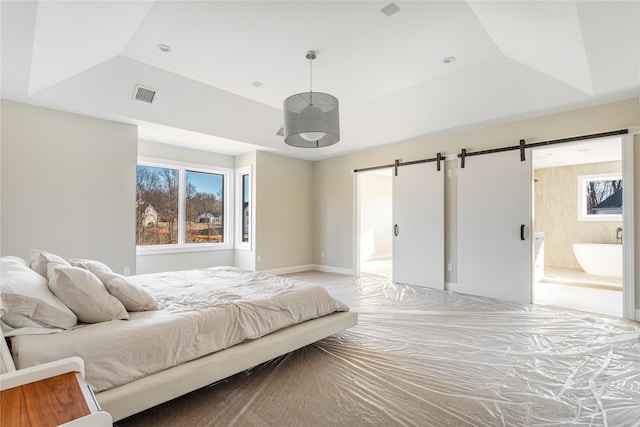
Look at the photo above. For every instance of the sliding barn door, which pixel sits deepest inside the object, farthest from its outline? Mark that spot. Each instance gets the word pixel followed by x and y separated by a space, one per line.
pixel 494 226
pixel 418 231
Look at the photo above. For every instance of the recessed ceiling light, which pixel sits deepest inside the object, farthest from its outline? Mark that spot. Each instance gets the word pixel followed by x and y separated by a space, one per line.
pixel 449 59
pixel 164 47
pixel 257 84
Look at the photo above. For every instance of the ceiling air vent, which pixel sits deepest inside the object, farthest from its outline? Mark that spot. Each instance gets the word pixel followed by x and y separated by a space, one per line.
pixel 390 9
pixel 144 94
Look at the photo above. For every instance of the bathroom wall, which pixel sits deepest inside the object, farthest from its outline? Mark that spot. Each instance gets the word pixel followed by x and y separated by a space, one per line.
pixel 376 215
pixel 556 212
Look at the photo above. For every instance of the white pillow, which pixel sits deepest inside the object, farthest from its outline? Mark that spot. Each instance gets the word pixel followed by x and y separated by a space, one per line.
pixel 25 292
pixel 14 262
pixel 84 294
pixel 41 259
pixel 132 296
pixel 89 264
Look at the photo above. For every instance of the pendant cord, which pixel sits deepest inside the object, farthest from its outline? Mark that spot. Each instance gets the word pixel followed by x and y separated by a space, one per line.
pixel 310 81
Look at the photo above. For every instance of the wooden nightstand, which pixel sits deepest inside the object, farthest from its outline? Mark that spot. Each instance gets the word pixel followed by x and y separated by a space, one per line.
pixel 50 394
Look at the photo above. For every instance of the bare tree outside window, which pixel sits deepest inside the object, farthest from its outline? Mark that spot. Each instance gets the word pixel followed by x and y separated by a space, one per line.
pixel 176 205
pixel 246 207
pixel 597 191
pixel 204 208
pixel 600 197
pixel 156 206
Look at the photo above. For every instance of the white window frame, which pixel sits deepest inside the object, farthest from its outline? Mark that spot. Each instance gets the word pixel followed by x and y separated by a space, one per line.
pixel 227 203
pixel 582 199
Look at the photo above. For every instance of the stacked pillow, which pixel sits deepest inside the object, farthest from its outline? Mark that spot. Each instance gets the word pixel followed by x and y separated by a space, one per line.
pixel 84 294
pixel 132 296
pixel 50 294
pixel 27 301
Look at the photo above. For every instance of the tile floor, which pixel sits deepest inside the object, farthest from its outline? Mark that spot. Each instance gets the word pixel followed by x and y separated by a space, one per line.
pixel 561 287
pixel 577 290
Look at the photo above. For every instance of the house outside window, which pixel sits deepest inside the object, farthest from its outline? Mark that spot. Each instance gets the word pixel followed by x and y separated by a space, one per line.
pixel 181 207
pixel 600 197
pixel 204 207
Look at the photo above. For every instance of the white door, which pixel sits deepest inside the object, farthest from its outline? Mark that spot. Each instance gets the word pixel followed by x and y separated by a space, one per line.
pixel 494 226
pixel 418 217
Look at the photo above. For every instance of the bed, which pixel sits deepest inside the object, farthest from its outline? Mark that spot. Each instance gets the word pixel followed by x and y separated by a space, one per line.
pixel 199 326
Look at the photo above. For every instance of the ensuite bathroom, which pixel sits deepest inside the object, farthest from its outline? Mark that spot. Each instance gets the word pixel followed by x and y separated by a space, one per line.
pixel 577 226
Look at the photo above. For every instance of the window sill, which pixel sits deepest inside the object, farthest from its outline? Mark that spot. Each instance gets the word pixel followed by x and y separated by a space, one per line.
pixel 172 249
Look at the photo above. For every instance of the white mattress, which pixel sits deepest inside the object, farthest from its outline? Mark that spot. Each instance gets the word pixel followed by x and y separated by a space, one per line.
pixel 202 311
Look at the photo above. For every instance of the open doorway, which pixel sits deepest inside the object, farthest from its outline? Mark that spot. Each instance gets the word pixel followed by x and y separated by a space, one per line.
pixel 375 223
pixel 578 226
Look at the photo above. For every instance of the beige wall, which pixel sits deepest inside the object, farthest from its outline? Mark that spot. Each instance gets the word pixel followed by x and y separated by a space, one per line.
pixel 334 227
pixel 556 212
pixel 284 213
pixel 68 185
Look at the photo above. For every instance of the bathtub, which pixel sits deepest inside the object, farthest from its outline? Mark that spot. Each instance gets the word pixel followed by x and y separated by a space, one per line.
pixel 599 259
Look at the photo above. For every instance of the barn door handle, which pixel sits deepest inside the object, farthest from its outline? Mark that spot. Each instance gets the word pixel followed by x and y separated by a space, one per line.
pixel 395 230
pixel 522 232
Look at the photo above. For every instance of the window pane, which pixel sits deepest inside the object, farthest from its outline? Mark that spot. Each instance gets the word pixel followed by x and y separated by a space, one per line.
pixel 604 197
pixel 246 208
pixel 204 208
pixel 156 206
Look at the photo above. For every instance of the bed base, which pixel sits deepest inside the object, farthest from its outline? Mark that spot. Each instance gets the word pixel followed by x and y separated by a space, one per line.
pixel 152 390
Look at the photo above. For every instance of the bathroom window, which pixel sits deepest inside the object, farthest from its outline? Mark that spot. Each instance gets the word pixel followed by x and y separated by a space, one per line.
pixel 600 197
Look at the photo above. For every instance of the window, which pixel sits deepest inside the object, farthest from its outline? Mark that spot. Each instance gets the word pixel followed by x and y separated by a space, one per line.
pixel 243 224
pixel 180 207
pixel 204 207
pixel 156 206
pixel 600 197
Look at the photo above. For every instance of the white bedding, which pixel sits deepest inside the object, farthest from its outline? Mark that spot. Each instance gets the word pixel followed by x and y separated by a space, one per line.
pixel 202 311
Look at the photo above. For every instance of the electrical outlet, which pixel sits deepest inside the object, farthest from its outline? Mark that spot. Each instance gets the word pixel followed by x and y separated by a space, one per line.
pixel 321 254
pixel 449 267
pixel 259 258
pixel 126 271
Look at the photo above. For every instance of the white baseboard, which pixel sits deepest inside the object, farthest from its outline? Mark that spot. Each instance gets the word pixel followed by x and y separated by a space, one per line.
pixel 290 270
pixel 309 267
pixel 336 270
pixel 453 287
pixel 380 257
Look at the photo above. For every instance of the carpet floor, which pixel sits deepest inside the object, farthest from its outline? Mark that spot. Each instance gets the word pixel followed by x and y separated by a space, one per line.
pixel 432 358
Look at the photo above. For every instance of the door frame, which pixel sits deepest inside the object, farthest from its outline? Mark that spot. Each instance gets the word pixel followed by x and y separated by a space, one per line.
pixel 357 208
pixel 628 235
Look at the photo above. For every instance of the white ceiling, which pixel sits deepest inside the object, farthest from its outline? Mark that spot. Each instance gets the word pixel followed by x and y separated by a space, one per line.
pixel 513 60
pixel 591 151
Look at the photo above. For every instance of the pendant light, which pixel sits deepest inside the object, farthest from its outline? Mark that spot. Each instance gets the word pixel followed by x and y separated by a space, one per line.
pixel 311 118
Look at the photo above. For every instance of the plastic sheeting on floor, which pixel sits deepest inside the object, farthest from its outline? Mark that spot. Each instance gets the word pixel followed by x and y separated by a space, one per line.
pixel 423 357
